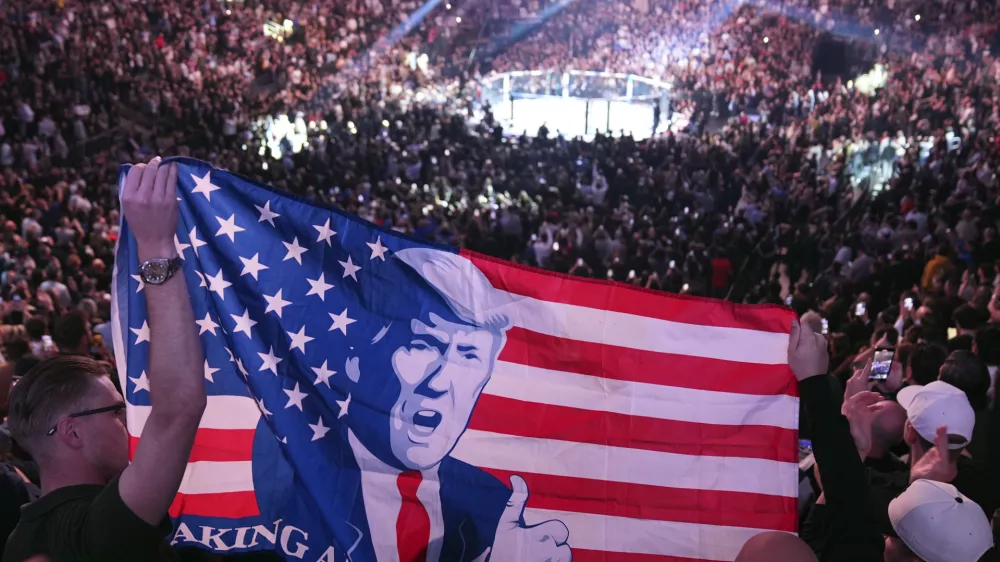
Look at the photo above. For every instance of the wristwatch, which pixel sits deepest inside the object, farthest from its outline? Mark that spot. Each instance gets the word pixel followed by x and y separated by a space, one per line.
pixel 158 270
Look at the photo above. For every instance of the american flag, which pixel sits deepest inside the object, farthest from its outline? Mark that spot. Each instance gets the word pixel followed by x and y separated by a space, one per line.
pixel 655 427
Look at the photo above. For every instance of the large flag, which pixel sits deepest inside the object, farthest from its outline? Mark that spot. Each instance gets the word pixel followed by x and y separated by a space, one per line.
pixel 373 397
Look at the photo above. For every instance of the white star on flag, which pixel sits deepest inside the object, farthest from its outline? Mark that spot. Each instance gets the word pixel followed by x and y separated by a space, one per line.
pixel 263 409
pixel 275 303
pixel 142 284
pixel 141 383
pixel 206 325
pixel 228 227
pixel 180 247
pixel 319 287
pixel 142 332
pixel 295 397
pixel 319 430
pixel 204 185
pixel 325 232
pixel 270 361
pixel 230 352
pixel 243 371
pixel 217 284
pixel 378 250
pixel 201 279
pixel 350 269
pixel 252 266
pixel 195 242
pixel 266 214
pixel 210 372
pixel 243 324
pixel 299 339
pixel 341 321
pixel 323 375
pixel 294 251
pixel 343 405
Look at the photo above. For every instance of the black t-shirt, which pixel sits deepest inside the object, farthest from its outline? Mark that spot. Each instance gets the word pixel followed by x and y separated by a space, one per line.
pixel 14 492
pixel 87 523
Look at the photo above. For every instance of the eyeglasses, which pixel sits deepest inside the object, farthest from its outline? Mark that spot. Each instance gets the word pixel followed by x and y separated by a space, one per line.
pixel 116 408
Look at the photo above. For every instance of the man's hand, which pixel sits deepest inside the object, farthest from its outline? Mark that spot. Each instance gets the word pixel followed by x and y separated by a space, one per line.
pixel 514 542
pixel 859 413
pixel 936 464
pixel 858 382
pixel 807 353
pixel 149 201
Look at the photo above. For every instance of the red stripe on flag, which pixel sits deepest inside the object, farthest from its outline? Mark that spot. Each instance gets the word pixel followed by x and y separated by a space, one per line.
pixel 580 555
pixel 218 445
pixel 534 349
pixel 232 505
pixel 544 421
pixel 605 295
pixel 636 501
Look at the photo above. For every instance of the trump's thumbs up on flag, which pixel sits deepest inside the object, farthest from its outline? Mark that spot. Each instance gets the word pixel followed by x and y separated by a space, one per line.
pixel 515 542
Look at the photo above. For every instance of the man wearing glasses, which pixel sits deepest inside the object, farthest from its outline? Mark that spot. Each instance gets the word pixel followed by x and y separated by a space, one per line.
pixel 67 413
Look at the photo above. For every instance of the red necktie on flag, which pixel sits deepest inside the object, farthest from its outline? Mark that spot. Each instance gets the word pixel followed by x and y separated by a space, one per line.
pixel 413 526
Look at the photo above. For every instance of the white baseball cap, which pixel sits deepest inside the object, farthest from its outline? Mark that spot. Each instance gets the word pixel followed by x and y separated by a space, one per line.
pixel 936 404
pixel 939 524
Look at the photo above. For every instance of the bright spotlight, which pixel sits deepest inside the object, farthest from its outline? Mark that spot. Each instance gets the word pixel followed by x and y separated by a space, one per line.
pixel 458 19
pixel 766 40
pixel 877 32
pixel 917 17
pixel 447 6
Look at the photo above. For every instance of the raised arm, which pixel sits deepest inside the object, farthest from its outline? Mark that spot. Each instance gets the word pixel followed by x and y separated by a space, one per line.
pixel 851 527
pixel 176 382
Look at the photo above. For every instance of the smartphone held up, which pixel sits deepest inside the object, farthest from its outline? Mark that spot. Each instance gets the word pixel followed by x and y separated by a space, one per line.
pixel 881 364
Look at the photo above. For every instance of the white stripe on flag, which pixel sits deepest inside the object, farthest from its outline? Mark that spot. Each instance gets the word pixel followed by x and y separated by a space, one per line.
pixel 222 412
pixel 208 477
pixel 630 466
pixel 643 536
pixel 650 334
pixel 585 392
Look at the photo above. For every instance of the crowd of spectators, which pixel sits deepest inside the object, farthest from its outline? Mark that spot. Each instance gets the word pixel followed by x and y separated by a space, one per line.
pixel 874 214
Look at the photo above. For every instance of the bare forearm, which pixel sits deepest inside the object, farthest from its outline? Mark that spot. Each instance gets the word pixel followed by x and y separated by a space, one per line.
pixel 176 382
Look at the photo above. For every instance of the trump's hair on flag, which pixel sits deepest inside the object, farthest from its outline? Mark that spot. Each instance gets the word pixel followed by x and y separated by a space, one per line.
pixel 375 397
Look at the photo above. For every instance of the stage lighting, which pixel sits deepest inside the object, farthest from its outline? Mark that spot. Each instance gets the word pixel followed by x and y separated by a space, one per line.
pixel 876 31
pixel 447 6
pixel 458 19
pixel 766 40
pixel 917 17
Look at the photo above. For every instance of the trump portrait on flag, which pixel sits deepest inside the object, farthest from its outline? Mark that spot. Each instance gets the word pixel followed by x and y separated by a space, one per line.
pixel 413 388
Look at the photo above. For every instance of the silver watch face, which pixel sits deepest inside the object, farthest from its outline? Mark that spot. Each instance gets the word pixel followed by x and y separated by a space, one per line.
pixel 156 271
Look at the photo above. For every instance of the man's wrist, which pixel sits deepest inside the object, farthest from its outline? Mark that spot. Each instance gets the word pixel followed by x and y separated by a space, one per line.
pixel 156 251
